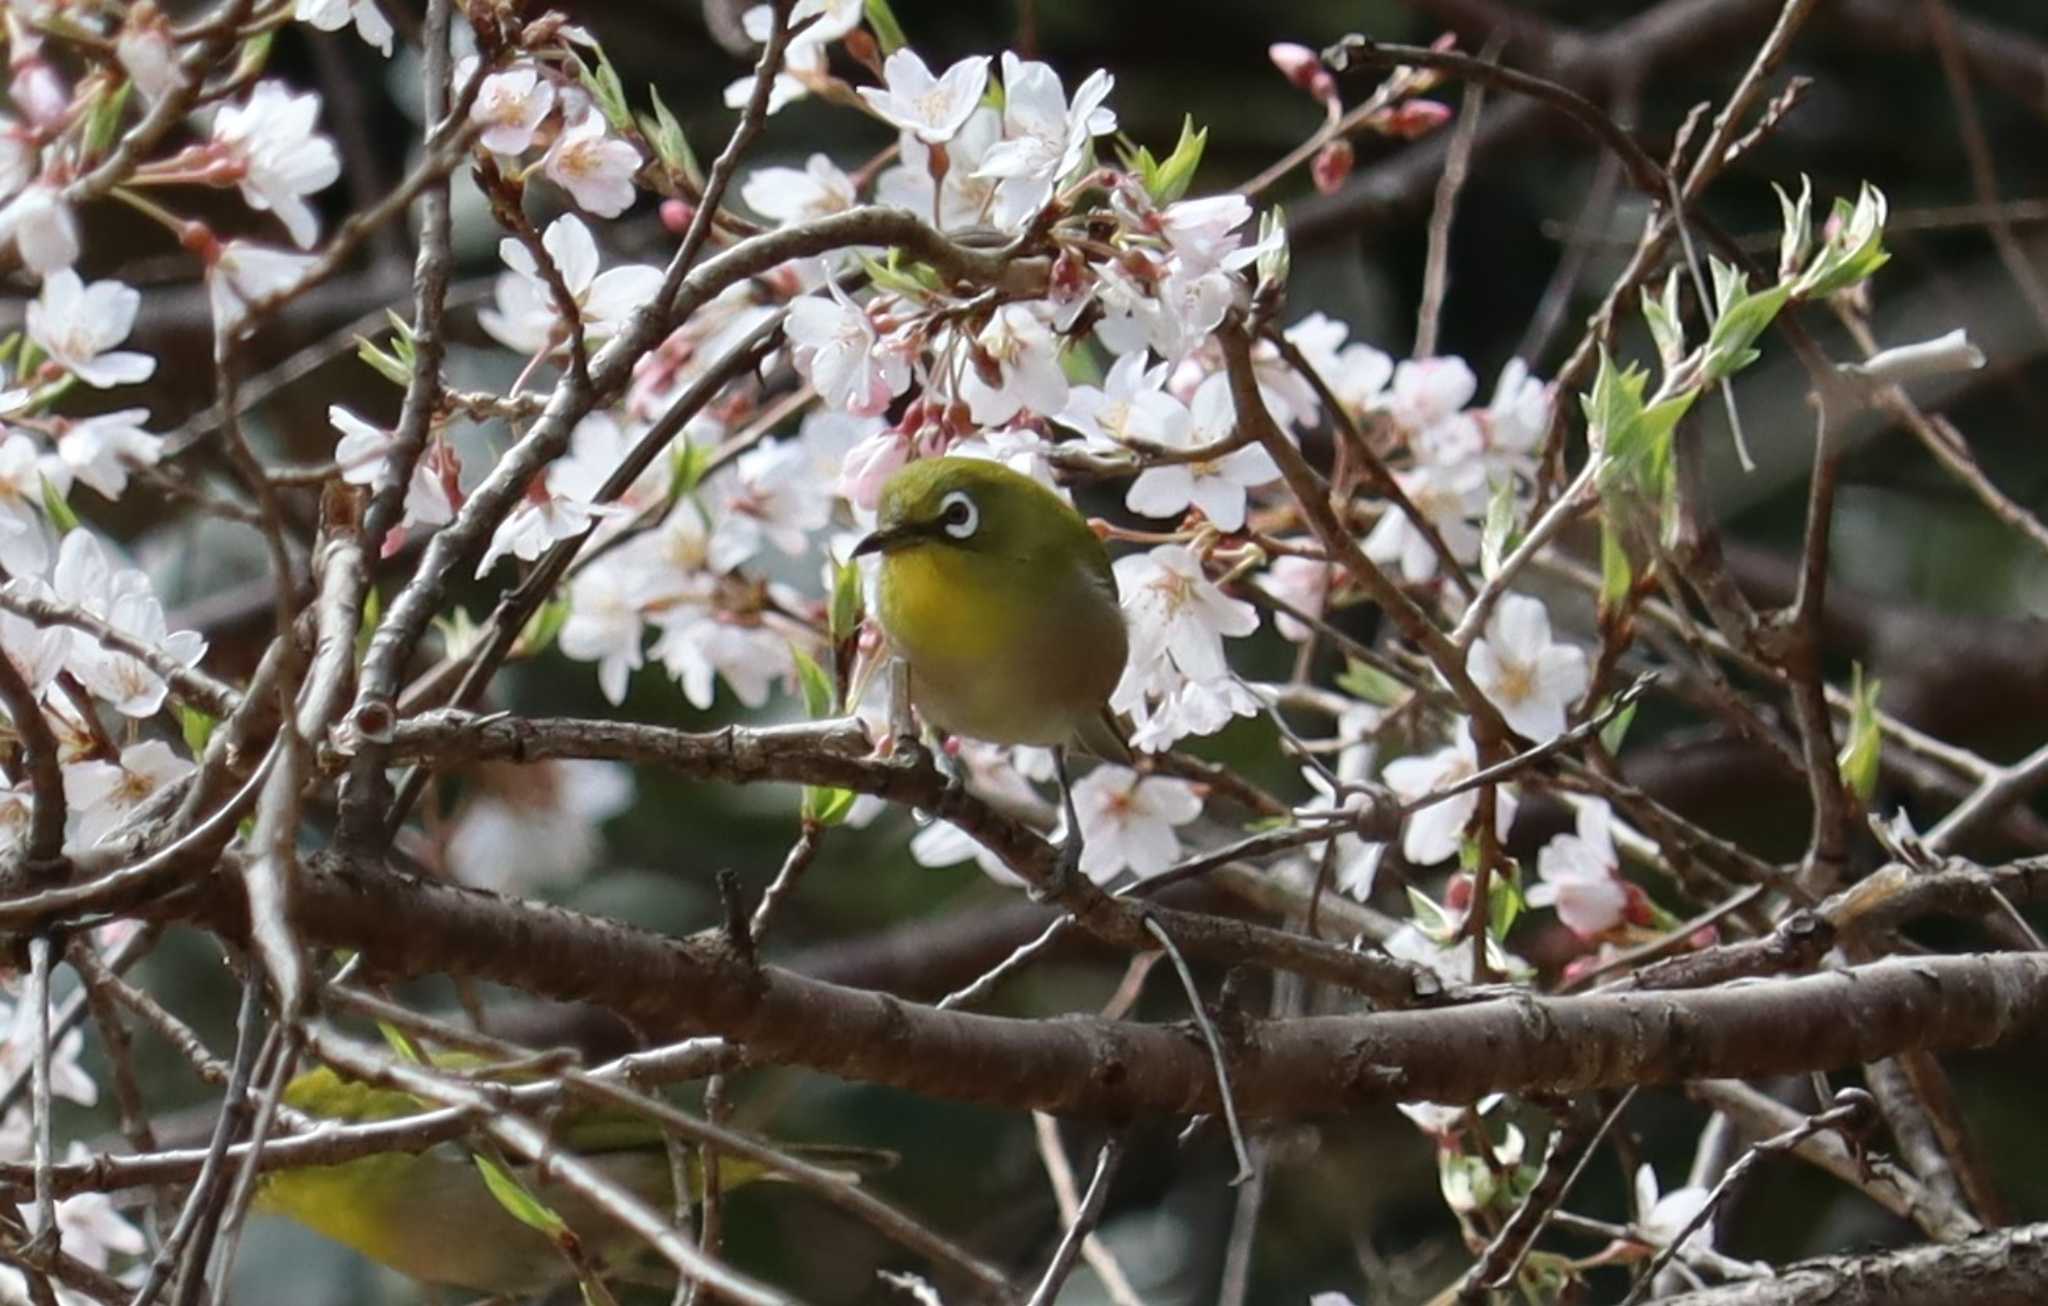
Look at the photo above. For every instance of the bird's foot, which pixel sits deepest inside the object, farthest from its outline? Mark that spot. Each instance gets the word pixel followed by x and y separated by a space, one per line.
pixel 1066 869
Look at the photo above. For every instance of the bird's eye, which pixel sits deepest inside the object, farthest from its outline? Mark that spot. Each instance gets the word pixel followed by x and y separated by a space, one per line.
pixel 958 515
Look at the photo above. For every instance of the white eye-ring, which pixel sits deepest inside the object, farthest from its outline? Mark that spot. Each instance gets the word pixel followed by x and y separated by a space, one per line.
pixel 959 516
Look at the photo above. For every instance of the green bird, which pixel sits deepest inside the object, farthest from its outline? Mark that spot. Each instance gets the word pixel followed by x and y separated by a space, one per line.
pixel 432 1216
pixel 1001 600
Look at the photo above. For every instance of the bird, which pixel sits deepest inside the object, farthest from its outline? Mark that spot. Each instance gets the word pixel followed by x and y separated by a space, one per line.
pixel 1001 600
pixel 434 1217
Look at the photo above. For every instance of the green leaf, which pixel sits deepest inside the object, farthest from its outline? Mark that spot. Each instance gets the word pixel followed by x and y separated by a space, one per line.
pixel 1167 180
pixel 1797 241
pixel 384 364
pixel 1617 574
pixel 1364 681
pixel 58 509
pixel 1612 734
pixel 373 612
pixel 1500 530
pixel 541 628
pixel 848 602
pixel 826 807
pixel 819 695
pixel 519 1203
pixel 888 32
pixel 1742 320
pixel 665 135
pixel 914 279
pixel 104 123
pixel 197 727
pixel 1667 327
pixel 401 1043
pixel 605 89
pixel 1853 252
pixel 1504 901
pixel 1863 749
pixel 1430 917
pixel 687 462
pixel 255 53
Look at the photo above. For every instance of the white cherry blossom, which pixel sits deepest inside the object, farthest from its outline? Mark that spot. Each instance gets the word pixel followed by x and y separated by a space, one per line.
pixel 965 197
pixel 42 228
pixel 536 827
pixel 282 158
pixel 125 600
pixel 240 274
pixel 102 795
pixel 78 326
pixel 1025 355
pixel 1581 873
pixel 1302 583
pixel 17 156
pixel 68 1079
pixel 835 345
pixel 1436 831
pixel 1130 404
pixel 1044 138
pixel 1449 497
pixel 772 496
pixel 697 647
pixel 1661 1218
pixel 1218 486
pixel 815 190
pixel 1128 820
pixel 1429 391
pixel 524 318
pixel 595 167
pixel 1523 672
pixel 24 539
pixel 1175 611
pixel 932 107
pixel 510 106
pixel 333 15
pixel 1177 706
pixel 100 450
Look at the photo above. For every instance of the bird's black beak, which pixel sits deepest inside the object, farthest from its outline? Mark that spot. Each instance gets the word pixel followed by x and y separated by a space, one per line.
pixel 887 538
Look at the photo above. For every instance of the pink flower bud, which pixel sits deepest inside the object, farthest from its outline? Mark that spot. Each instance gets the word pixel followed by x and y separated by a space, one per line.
pixel 676 216
pixel 1638 909
pixel 1458 893
pixel 1413 118
pixel 1331 166
pixel 869 464
pixel 1303 67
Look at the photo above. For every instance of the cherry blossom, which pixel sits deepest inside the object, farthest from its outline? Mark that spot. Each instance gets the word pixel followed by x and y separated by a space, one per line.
pixel 1303 584
pixel 282 159
pixel 68 1079
pixel 42 227
pixel 509 107
pixel 965 197
pixel 90 1225
pixel 815 190
pixel 240 274
pixel 362 451
pixel 1218 486
pixel 1449 497
pixel 835 345
pixel 124 599
pixel 804 61
pixel 100 450
pixel 696 647
pixel 1662 1218
pixel 1128 820
pixel 772 496
pixel 536 827
pixel 1530 678
pixel 78 326
pixel 595 167
pixel 868 465
pixel 333 15
pixel 1580 874
pixel 24 539
pixel 17 156
pixel 103 795
pixel 1044 138
pixel 1023 355
pixel 1427 392
pixel 931 107
pixel 1176 611
pixel 1435 832
pixel 525 318
pixel 1129 405
pixel 1357 862
pixel 942 843
pixel 145 52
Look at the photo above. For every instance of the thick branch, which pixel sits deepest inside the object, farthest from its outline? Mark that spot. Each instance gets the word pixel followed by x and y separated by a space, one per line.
pixel 2002 1269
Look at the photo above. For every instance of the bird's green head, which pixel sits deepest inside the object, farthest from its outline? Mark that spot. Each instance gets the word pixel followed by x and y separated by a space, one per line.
pixel 974 505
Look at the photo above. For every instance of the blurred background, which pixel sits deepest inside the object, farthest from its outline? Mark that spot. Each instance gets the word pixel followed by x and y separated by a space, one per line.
pixel 1936 597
